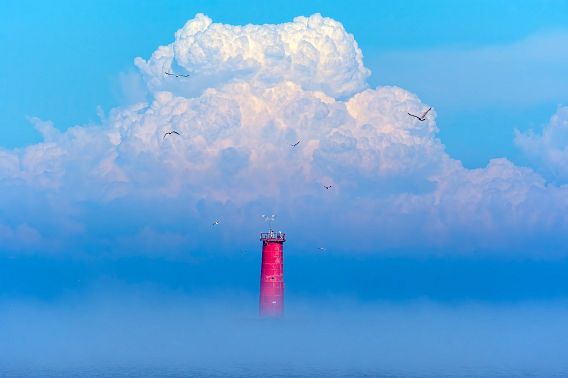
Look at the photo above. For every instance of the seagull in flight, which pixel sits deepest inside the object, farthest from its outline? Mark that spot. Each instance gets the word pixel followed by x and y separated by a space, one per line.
pixel 322 249
pixel 215 223
pixel 295 144
pixel 175 74
pixel 170 133
pixel 421 118
pixel 269 219
pixel 327 187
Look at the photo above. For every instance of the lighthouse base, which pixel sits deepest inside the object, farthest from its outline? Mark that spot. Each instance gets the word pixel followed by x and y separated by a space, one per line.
pixel 271 299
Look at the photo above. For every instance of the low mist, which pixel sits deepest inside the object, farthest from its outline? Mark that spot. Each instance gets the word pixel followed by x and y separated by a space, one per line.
pixel 144 329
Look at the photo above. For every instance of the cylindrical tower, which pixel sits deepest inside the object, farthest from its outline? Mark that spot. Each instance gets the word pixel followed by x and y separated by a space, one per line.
pixel 272 274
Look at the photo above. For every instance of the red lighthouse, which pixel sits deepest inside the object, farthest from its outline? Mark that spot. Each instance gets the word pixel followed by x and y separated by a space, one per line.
pixel 272 274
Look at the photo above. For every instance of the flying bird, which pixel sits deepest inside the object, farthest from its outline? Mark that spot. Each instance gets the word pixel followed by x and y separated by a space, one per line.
pixel 421 118
pixel 170 133
pixel 295 144
pixel 269 218
pixel 327 187
pixel 174 74
pixel 171 73
pixel 322 249
pixel 215 223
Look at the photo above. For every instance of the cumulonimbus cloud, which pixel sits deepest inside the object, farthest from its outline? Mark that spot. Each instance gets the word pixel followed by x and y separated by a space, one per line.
pixel 314 52
pixel 262 89
pixel 549 150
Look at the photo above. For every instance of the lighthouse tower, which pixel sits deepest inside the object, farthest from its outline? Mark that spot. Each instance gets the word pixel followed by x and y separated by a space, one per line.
pixel 272 274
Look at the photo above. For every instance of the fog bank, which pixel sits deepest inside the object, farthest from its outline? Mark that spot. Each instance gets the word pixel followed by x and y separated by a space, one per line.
pixel 144 329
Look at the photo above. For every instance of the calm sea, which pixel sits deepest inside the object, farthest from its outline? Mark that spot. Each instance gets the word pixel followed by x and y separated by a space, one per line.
pixel 262 373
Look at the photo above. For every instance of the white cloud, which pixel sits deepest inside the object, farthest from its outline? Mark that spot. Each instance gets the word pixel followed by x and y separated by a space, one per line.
pixel 548 150
pixel 393 181
pixel 315 52
pixel 498 207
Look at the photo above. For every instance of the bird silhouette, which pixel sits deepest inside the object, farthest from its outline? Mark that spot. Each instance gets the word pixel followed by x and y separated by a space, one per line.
pixel 327 187
pixel 215 223
pixel 295 144
pixel 174 74
pixel 421 118
pixel 170 133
